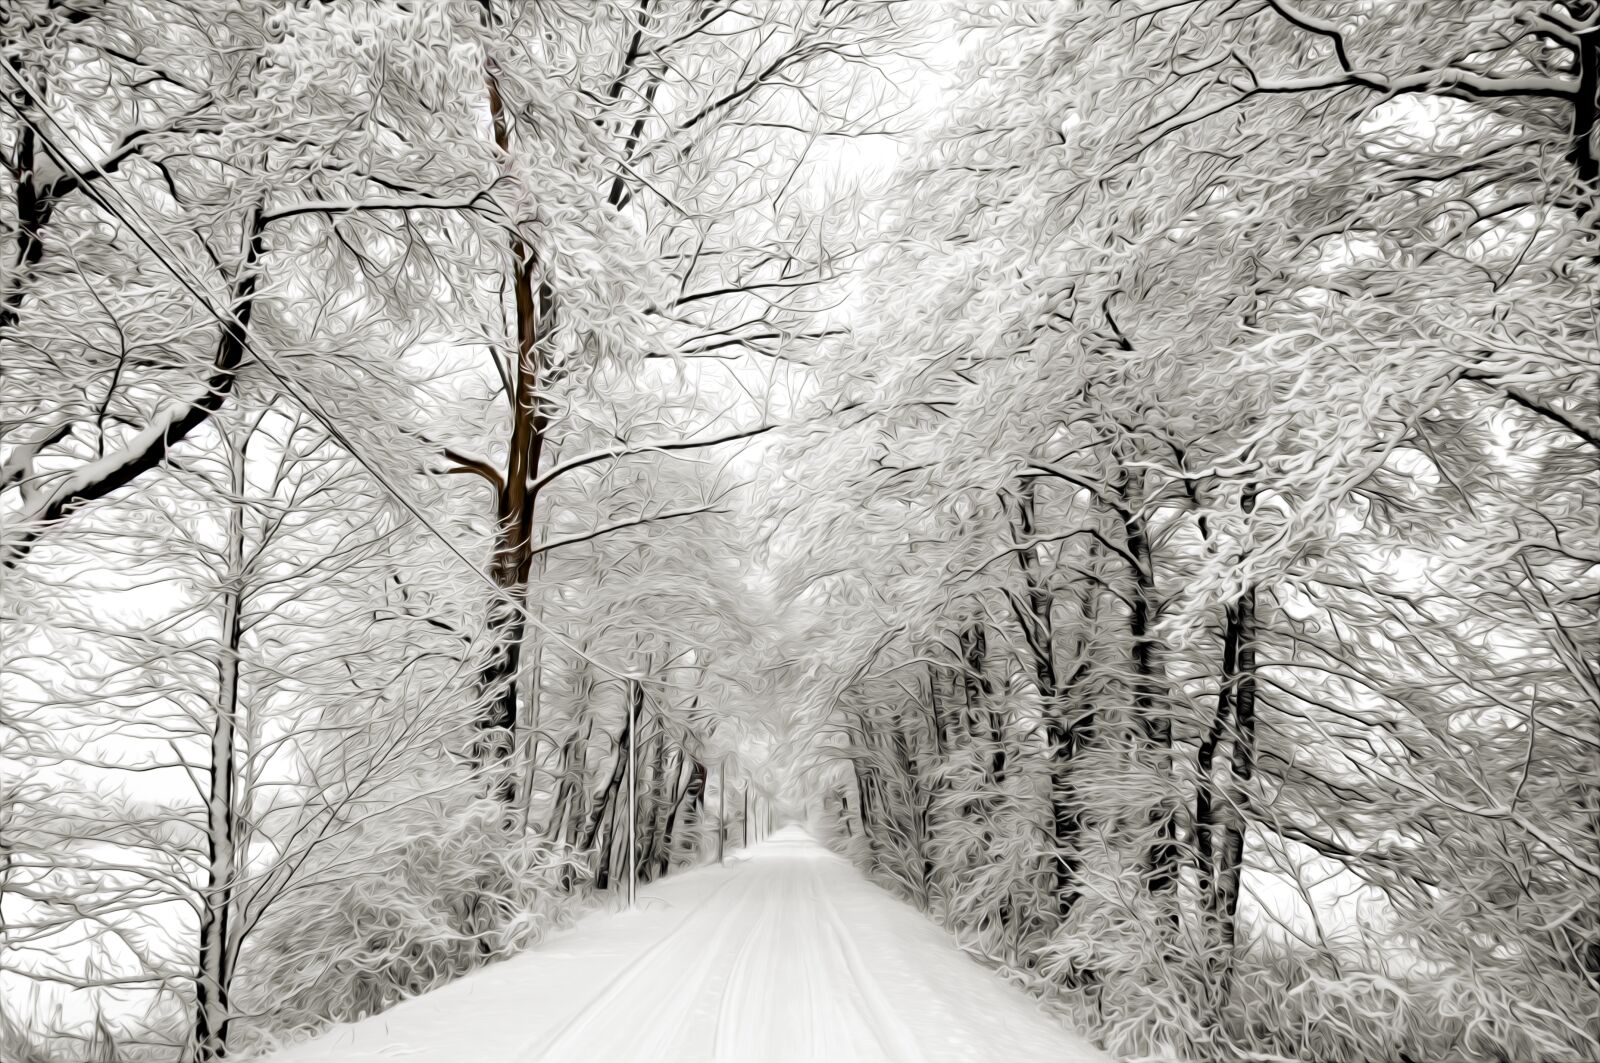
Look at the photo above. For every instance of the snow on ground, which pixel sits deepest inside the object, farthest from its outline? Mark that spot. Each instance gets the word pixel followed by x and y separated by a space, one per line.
pixel 787 953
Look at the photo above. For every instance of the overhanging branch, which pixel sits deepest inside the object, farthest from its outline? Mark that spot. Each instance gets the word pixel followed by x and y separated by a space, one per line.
pixel 667 446
pixel 572 540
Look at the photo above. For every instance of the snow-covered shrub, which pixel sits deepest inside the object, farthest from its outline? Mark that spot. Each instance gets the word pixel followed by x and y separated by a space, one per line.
pixel 1290 1003
pixel 1112 960
pixel 987 855
pixel 399 910
pixel 53 1040
pixel 19 1044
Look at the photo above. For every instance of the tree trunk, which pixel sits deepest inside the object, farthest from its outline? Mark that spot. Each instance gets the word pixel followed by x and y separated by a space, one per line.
pixel 631 835
pixel 936 713
pixel 607 796
pixel 1152 715
pixel 212 1009
pixel 723 836
pixel 1034 614
pixel 660 802
pixel 602 875
pixel 693 794
pixel 933 786
pixel 514 504
pixel 1070 734
pixel 1230 857
pixel 1585 153
pixel 534 702
pixel 973 640
pixel 556 829
pixel 915 827
pixel 1066 737
pixel 1205 811
pixel 33 209
pixel 566 822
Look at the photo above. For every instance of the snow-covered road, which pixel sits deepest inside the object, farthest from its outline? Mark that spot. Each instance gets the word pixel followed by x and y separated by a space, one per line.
pixel 787 953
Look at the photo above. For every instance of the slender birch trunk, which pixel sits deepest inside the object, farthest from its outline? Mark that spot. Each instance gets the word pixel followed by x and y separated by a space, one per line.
pixel 214 962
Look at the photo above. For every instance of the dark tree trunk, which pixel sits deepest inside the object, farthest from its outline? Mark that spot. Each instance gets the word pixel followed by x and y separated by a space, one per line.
pixel 940 718
pixel 693 795
pixel 1585 152
pixel 985 725
pixel 973 640
pixel 1205 811
pixel 1230 857
pixel 863 804
pixel 915 827
pixel 34 207
pixel 515 530
pixel 658 797
pixel 1033 611
pixel 1153 717
pixel 722 811
pixel 213 1012
pixel 566 787
pixel 619 769
pixel 933 787
pixel 608 842
pixel 1067 737
pixel 1069 731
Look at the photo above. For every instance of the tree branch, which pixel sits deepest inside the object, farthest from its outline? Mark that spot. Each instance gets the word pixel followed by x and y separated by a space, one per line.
pixel 557 471
pixel 1588 435
pixel 149 448
pixel 475 466
pixel 370 206
pixel 619 525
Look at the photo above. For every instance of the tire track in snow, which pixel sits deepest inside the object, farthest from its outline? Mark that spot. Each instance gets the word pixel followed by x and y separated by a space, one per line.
pixel 798 988
pixel 896 1039
pixel 599 1018
pixel 745 979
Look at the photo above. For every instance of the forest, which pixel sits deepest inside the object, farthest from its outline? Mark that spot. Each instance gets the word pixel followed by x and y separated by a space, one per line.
pixel 1125 474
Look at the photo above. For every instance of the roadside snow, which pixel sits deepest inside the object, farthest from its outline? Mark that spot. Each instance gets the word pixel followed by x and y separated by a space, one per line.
pixel 785 954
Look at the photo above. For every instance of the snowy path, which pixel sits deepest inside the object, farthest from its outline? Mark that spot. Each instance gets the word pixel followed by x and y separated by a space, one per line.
pixel 785 954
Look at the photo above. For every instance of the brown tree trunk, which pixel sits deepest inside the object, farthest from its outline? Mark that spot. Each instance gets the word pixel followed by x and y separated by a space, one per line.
pixel 511 565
